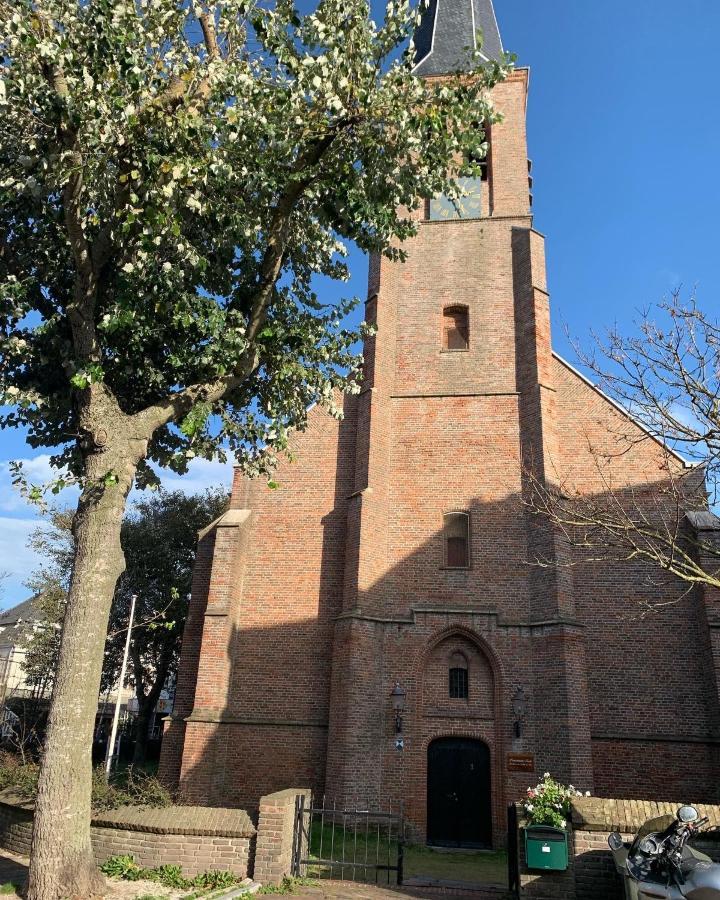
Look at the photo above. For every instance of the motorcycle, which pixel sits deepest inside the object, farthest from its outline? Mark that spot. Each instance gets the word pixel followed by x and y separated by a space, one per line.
pixel 660 864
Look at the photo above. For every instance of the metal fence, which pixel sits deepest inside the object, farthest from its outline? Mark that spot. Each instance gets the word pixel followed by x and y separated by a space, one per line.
pixel 349 843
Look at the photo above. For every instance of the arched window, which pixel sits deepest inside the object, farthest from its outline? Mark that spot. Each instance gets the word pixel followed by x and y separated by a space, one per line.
pixel 456 328
pixel 458 673
pixel 456 533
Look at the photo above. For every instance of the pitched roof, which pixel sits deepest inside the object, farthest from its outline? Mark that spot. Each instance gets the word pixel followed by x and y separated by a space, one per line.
pixel 448 32
pixel 25 611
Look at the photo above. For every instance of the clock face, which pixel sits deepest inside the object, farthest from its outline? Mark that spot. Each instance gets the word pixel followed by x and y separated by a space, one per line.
pixel 467 207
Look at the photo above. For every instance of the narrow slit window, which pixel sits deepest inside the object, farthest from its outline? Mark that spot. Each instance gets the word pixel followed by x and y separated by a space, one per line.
pixel 458 677
pixel 456 328
pixel 457 540
pixel 458 684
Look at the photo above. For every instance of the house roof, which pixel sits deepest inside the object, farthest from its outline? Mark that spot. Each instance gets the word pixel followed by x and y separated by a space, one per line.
pixel 448 32
pixel 25 611
pixel 14 621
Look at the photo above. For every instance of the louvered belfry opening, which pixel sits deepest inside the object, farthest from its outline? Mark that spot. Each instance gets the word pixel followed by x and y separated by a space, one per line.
pixel 456 328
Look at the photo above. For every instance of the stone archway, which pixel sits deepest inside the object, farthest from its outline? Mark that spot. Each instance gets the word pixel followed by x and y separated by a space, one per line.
pixel 472 718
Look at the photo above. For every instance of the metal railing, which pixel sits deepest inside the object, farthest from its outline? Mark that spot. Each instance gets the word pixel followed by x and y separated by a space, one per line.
pixel 348 843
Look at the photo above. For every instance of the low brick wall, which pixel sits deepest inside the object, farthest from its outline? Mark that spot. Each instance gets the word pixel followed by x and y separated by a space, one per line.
pixel 16 822
pixel 276 829
pixel 197 838
pixel 591 874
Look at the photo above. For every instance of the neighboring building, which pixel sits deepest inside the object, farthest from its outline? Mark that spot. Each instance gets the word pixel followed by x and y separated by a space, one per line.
pixel 397 550
pixel 16 624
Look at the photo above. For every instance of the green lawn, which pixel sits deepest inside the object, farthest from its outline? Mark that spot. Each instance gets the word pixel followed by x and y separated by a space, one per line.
pixel 374 845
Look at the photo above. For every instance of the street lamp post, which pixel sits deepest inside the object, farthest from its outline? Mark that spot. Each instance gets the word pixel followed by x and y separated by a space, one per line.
pixel 110 751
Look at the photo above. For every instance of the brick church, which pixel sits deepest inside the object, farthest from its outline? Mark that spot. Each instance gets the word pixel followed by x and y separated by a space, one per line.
pixel 375 629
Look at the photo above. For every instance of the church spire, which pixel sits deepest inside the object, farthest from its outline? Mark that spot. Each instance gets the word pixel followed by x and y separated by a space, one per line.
pixel 449 28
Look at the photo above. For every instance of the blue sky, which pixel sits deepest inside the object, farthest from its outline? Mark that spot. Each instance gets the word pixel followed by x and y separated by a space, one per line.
pixel 624 136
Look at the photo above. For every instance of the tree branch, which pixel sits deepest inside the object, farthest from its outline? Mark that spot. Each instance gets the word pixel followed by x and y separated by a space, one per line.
pixel 177 405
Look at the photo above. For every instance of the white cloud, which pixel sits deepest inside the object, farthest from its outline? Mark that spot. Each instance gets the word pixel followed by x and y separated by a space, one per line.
pixel 21 517
pixel 201 474
pixel 37 470
pixel 16 558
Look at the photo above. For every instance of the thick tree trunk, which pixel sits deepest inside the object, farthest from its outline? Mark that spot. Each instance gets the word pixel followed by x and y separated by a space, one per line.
pixel 62 864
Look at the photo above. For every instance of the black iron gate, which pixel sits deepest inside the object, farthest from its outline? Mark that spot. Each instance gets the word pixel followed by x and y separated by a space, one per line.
pixel 348 843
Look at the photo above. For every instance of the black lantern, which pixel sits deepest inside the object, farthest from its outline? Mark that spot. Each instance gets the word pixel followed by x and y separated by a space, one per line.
pixel 519 708
pixel 398 700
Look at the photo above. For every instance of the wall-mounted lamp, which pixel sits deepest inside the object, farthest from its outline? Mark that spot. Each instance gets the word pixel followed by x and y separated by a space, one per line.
pixel 398 700
pixel 519 708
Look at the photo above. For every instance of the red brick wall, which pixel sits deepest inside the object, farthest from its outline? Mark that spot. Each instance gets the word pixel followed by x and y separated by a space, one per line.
pixel 650 674
pixel 260 705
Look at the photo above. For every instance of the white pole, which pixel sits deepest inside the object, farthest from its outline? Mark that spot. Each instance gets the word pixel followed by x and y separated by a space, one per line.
pixel 110 752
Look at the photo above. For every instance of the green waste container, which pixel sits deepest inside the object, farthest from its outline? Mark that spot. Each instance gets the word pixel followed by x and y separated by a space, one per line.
pixel 546 848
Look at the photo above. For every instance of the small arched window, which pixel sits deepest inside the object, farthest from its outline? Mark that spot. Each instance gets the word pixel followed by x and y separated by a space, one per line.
pixel 456 328
pixel 456 533
pixel 458 677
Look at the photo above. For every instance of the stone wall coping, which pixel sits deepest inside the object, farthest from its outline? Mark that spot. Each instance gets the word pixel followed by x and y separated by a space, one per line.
pixel 283 796
pixel 628 816
pixel 185 820
pixel 8 797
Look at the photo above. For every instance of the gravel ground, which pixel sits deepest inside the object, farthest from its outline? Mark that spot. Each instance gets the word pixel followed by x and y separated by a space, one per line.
pixel 13 870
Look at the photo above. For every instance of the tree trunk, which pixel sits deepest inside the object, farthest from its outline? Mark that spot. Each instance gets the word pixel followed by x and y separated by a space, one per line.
pixel 146 707
pixel 62 864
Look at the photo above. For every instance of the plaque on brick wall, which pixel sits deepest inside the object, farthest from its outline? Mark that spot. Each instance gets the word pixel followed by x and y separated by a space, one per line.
pixel 521 762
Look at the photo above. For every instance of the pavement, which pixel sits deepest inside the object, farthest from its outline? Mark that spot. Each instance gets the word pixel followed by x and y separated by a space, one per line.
pixel 343 890
pixel 13 869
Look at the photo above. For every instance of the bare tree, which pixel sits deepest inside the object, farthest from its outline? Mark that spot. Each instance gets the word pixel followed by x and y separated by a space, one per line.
pixel 666 377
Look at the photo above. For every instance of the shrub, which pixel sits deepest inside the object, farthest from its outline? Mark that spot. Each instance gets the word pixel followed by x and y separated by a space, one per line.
pixel 21 777
pixel 129 787
pixel 122 867
pixel 548 803
pixel 168 875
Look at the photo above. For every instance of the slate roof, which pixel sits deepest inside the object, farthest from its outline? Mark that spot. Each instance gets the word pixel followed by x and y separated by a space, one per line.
pixel 447 34
pixel 14 622
pixel 703 520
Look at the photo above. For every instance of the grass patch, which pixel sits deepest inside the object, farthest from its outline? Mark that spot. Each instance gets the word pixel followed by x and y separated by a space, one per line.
pixel 287 886
pixel 9 888
pixel 477 866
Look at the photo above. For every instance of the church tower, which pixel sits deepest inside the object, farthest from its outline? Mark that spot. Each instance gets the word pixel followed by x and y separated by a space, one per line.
pixel 396 560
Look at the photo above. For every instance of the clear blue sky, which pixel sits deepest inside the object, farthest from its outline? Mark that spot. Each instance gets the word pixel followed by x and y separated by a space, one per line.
pixel 624 135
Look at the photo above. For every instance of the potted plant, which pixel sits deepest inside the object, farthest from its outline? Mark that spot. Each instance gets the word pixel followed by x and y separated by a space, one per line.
pixel 547 811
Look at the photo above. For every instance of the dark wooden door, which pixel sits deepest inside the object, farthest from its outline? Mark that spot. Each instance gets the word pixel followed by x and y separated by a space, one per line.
pixel 458 793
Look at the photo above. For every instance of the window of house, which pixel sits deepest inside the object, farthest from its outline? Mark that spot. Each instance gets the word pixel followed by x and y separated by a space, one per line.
pixel 458 677
pixel 457 540
pixel 456 328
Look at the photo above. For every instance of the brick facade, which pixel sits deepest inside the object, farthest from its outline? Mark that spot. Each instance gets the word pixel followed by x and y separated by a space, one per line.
pixel 311 601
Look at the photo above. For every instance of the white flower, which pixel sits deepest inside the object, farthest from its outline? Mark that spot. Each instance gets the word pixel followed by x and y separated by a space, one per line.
pixel 563 823
pixel 529 807
pixel 587 793
pixel 166 267
pixel 546 775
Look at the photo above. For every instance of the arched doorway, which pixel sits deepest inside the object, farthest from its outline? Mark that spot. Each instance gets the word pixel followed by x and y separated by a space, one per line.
pixel 459 812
